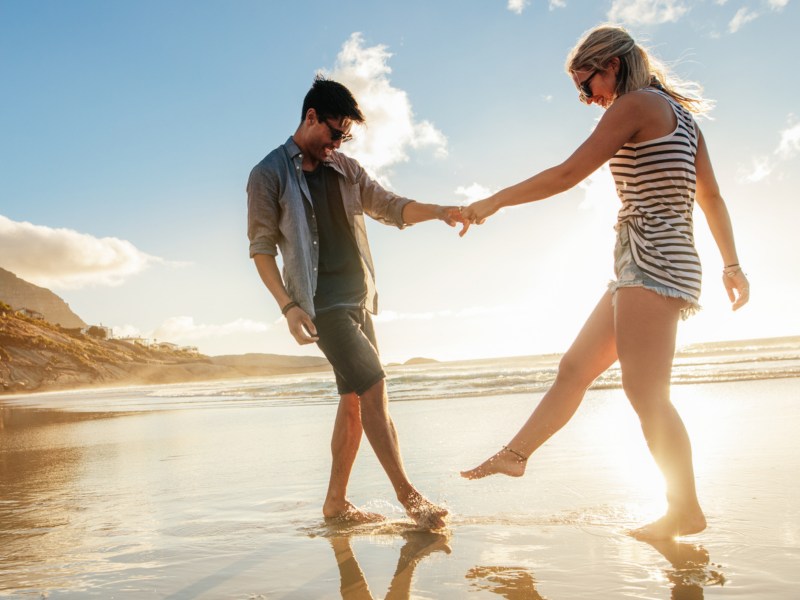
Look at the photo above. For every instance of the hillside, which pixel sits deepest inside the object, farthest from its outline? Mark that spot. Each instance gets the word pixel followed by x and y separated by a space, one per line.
pixel 18 293
pixel 36 355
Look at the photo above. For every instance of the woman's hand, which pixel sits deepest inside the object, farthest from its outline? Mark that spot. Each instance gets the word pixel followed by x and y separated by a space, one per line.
pixel 737 286
pixel 477 213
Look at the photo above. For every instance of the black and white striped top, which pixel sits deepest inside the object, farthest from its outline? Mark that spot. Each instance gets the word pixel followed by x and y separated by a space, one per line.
pixel 656 182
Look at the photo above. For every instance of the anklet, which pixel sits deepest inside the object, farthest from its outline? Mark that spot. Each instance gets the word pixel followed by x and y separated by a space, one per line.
pixel 517 454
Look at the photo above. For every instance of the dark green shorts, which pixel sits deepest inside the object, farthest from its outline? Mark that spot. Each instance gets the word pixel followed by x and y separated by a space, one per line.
pixel 347 339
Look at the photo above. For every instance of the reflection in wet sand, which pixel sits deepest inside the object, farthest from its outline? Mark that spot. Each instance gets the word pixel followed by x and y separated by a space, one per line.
pixel 691 569
pixel 40 520
pixel 419 544
pixel 513 583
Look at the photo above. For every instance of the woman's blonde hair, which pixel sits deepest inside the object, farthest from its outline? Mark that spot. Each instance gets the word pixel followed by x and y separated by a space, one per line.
pixel 638 69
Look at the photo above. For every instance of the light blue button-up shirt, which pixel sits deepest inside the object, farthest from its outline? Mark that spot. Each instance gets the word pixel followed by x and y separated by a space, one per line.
pixel 280 217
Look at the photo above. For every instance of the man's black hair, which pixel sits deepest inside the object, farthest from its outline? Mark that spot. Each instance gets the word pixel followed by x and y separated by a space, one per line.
pixel 331 100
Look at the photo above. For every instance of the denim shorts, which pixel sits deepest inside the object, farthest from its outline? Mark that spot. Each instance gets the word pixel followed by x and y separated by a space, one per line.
pixel 347 339
pixel 629 274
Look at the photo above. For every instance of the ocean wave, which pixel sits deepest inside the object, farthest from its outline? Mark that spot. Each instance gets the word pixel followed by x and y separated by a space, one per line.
pixel 518 375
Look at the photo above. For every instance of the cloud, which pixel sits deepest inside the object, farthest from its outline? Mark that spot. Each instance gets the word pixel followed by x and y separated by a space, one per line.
pixel 64 258
pixel 760 169
pixel 763 166
pixel 743 16
pixel 777 4
pixel 517 6
pixel 392 128
pixel 646 12
pixel 789 146
pixel 473 192
pixel 184 328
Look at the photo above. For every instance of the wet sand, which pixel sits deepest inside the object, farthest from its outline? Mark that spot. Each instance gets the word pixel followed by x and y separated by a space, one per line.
pixel 207 501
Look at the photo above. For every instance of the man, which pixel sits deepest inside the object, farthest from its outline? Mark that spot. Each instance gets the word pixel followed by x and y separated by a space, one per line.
pixel 308 201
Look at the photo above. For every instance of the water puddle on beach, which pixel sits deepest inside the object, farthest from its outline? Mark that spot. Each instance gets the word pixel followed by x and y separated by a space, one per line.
pixel 224 502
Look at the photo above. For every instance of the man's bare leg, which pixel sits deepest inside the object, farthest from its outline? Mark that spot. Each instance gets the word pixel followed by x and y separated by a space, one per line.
pixel 592 352
pixel 352 583
pixel 419 544
pixel 346 439
pixel 646 328
pixel 382 436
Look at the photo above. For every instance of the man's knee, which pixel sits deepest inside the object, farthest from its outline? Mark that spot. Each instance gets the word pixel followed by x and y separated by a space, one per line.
pixel 374 398
pixel 350 407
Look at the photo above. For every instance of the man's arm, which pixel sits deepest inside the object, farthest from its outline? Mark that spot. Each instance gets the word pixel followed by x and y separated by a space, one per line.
pixel 391 209
pixel 417 212
pixel 300 324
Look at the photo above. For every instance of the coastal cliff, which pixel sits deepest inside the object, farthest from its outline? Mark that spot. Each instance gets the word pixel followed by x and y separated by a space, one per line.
pixel 21 294
pixel 36 355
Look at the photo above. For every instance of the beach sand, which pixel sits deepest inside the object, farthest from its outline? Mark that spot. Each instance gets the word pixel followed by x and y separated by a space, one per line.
pixel 209 501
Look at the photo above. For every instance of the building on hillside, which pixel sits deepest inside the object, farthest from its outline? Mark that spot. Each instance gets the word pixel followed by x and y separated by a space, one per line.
pixel 136 341
pixel 31 314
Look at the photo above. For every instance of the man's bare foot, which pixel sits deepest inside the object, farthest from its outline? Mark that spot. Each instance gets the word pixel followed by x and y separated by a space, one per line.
pixel 673 524
pixel 348 513
pixel 420 544
pixel 505 462
pixel 424 512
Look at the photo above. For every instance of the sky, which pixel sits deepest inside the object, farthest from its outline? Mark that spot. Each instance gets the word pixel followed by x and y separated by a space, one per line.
pixel 128 131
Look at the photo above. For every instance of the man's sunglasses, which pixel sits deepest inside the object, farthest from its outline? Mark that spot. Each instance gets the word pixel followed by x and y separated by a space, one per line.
pixel 338 134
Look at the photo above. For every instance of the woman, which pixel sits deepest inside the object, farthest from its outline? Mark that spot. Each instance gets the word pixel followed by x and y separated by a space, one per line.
pixel 660 165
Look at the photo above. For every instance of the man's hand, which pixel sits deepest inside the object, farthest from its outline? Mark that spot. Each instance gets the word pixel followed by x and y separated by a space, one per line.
pixel 301 326
pixel 450 215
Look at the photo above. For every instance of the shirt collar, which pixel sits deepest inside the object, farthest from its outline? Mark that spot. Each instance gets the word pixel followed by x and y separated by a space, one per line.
pixel 294 153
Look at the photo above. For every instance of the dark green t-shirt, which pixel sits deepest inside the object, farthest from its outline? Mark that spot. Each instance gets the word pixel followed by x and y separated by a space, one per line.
pixel 340 277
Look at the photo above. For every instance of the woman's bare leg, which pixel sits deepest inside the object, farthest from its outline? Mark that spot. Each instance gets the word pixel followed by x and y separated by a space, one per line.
pixel 646 324
pixel 592 352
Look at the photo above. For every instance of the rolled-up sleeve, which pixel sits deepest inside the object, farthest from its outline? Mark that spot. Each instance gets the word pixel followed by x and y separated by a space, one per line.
pixel 379 203
pixel 262 212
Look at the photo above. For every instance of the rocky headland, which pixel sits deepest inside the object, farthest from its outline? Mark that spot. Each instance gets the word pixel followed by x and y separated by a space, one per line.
pixel 36 355
pixel 45 346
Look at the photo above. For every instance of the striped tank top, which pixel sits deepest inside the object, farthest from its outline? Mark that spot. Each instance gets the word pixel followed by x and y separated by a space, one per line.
pixel 656 183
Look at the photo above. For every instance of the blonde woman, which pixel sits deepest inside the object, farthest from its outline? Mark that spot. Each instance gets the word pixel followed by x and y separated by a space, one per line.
pixel 660 164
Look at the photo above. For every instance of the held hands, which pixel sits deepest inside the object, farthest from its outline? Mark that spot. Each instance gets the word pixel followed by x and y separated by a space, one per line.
pixel 737 286
pixel 476 213
pixel 450 215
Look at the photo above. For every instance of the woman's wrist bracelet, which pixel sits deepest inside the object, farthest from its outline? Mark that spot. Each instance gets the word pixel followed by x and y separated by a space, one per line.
pixel 731 266
pixel 731 270
pixel 288 306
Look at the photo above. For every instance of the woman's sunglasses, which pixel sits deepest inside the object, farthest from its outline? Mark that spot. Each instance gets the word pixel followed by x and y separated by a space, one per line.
pixel 584 89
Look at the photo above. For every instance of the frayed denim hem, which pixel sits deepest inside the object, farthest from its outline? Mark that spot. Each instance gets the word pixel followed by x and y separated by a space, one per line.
pixel 692 306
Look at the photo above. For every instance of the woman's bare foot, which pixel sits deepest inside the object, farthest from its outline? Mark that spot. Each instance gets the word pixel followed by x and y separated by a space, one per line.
pixel 346 512
pixel 506 462
pixel 673 524
pixel 424 513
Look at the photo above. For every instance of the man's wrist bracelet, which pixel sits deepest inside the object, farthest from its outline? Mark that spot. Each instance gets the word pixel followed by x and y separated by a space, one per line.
pixel 289 306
